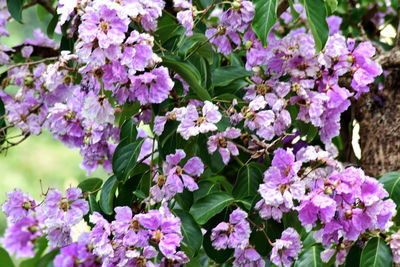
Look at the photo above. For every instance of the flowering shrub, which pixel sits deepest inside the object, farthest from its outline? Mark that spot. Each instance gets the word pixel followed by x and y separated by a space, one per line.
pixel 240 162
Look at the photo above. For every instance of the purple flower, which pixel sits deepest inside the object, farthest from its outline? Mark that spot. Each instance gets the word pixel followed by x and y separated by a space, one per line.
pixel 185 18
pixel 98 109
pixel 77 252
pixel 19 237
pixel 175 178
pixel 234 234
pixel 99 236
pixel 18 205
pixel 164 228
pixel 192 124
pixel 365 70
pixel 62 213
pixel 247 257
pixel 225 148
pixel 152 87
pixel 102 25
pixel 286 249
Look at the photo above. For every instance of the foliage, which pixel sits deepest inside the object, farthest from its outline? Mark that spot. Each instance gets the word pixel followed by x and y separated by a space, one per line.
pixel 241 102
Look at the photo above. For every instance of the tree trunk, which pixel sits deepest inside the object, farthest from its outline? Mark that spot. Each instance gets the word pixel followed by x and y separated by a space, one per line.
pixel 378 114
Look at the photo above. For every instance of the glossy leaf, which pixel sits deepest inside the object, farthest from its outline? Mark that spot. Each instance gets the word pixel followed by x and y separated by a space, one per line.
pixel 107 195
pixel 125 158
pixel 293 11
pixel 331 6
pixel 47 259
pixel 264 18
pixel 205 188
pixel 5 259
pixel 52 24
pixel 376 254
pixel 310 257
pixel 225 75
pixel 15 9
pixel 188 75
pixel 209 206
pixel 128 132
pixel 391 183
pixel 316 15
pixel 90 185
pixel 247 182
pixel 219 256
pixel 191 232
pixel 41 245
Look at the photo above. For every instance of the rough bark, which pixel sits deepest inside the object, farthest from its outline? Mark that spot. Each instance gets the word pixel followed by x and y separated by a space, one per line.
pixel 378 115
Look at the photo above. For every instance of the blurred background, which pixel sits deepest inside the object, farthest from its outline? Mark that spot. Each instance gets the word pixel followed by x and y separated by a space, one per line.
pixel 39 157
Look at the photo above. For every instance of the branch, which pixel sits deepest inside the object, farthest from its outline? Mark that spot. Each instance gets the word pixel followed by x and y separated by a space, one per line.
pixel 282 7
pixel 46 5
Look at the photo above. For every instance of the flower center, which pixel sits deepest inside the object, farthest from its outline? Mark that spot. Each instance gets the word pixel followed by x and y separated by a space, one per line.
pixel 141 261
pixel 134 224
pixel 161 180
pixel 171 116
pixel 104 26
pixel 200 120
pixel 157 235
pixel 178 170
pixel 221 142
pixel 262 89
pixel 64 204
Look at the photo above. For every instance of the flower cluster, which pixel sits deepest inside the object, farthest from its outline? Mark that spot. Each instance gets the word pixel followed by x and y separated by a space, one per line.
pixel 133 238
pixel 29 220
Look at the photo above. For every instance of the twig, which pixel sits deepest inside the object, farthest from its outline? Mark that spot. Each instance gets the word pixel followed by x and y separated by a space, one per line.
pixel 259 228
pixel 30 63
pixel 282 7
pixel 47 5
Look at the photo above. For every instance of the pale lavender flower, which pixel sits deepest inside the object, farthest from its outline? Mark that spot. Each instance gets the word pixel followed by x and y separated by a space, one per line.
pixel 225 148
pixel 234 234
pixel 286 249
pixel 193 124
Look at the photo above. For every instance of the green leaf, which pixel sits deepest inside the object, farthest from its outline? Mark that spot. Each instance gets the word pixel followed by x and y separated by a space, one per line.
pixel 295 14
pixel 41 12
pixel 90 185
pixel 107 195
pixel 205 188
pixel 219 256
pixel 40 247
pixel 353 257
pixel 376 254
pixel 188 75
pixel 264 18
pixel 125 158
pixel 3 133
pixel 191 232
pixel 316 15
pixel 199 43
pixel 230 89
pixel 15 9
pixel 225 75
pixel 222 181
pixel 331 6
pixel 247 182
pixel 52 24
pixel 128 132
pixel 145 183
pixel 48 258
pixel 391 183
pixel 210 205
pixel 310 257
pixel 214 161
pixel 5 259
